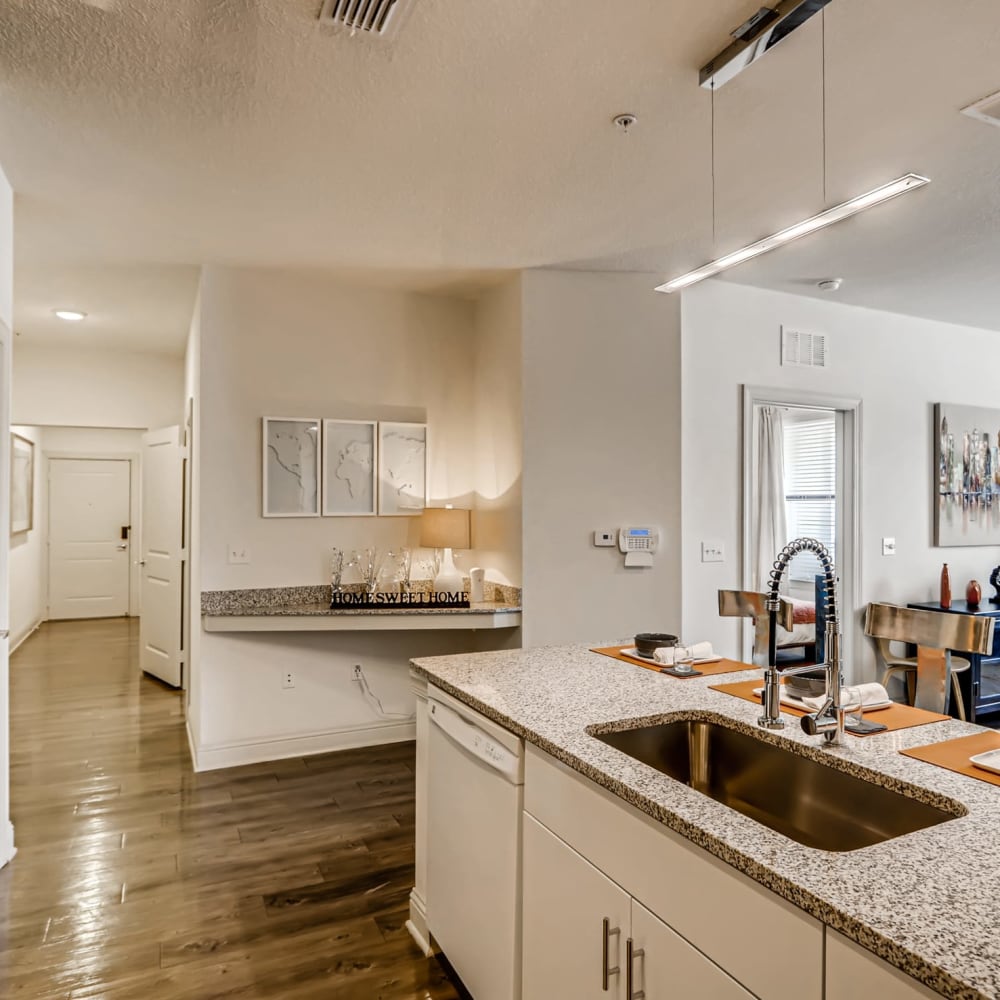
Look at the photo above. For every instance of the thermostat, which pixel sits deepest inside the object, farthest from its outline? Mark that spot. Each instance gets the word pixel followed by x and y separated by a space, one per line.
pixel 639 545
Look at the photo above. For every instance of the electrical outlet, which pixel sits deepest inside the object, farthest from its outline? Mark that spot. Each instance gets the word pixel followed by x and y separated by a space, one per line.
pixel 888 546
pixel 713 552
pixel 287 679
pixel 238 554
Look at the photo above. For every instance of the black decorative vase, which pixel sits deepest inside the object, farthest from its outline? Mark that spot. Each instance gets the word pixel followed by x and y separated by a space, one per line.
pixel 995 584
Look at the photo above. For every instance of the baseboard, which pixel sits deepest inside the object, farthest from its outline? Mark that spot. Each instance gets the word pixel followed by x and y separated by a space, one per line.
pixel 191 745
pixel 211 758
pixel 14 643
pixel 417 924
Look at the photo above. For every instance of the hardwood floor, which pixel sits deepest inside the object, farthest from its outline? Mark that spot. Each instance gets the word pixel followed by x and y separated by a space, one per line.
pixel 137 878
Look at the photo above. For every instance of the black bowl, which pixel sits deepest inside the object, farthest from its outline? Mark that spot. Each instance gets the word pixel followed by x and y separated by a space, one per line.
pixel 646 643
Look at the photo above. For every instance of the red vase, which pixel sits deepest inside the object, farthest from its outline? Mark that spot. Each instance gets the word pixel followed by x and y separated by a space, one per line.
pixel 945 587
pixel 973 594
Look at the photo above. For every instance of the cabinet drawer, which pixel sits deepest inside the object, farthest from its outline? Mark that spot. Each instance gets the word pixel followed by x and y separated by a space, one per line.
pixel 727 916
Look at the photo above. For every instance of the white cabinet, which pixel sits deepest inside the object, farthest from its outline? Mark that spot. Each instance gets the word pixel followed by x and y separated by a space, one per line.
pixel 738 924
pixel 852 972
pixel 565 940
pixel 664 965
pixel 585 937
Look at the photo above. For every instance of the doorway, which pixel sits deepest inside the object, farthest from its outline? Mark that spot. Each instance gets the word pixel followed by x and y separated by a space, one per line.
pixel 801 477
pixel 90 502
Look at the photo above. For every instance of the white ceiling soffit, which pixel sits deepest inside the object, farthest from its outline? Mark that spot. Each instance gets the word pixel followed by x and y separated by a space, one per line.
pixel 987 110
pixel 369 17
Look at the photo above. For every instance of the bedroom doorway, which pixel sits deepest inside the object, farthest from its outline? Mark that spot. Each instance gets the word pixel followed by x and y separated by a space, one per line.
pixel 801 478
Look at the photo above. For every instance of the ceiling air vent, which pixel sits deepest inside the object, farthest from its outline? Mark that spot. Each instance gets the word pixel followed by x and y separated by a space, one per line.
pixel 802 350
pixel 987 110
pixel 373 17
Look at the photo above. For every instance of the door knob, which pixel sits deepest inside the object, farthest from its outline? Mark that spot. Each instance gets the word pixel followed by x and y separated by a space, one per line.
pixel 122 548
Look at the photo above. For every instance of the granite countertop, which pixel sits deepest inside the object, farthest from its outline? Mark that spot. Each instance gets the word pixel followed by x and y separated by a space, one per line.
pixel 314 601
pixel 928 902
pixel 317 609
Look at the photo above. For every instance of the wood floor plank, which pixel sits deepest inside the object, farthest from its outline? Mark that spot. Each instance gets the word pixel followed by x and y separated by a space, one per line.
pixel 136 877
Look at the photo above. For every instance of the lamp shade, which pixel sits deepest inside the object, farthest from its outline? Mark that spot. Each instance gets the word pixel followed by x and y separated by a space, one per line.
pixel 444 528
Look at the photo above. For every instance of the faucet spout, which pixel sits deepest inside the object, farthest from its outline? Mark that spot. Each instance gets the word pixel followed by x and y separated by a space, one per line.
pixel 829 720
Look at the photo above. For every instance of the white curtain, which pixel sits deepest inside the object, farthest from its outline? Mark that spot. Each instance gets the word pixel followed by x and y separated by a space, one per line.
pixel 770 524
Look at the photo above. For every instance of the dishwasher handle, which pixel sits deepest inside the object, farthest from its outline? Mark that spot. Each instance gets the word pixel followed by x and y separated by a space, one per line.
pixel 476 742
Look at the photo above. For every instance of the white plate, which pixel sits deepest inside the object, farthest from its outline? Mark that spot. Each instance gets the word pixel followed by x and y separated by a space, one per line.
pixel 987 761
pixel 651 659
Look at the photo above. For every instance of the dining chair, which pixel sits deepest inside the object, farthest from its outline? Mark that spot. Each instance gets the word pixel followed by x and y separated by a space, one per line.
pixel 894 665
pixel 935 635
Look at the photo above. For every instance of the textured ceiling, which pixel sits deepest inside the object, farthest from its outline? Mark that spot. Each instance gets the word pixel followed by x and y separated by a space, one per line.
pixel 146 137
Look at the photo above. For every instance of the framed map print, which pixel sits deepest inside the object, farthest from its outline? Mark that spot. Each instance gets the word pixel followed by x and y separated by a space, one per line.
pixel 350 472
pixel 22 484
pixel 402 468
pixel 291 463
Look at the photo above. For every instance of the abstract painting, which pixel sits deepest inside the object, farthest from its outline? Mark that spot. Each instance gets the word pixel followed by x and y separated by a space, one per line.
pixel 967 475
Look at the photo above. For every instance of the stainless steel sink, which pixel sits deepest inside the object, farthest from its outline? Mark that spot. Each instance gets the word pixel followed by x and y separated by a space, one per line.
pixel 808 801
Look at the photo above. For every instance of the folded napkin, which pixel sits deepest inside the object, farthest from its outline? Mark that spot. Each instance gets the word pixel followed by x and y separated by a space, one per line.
pixel 873 696
pixel 699 651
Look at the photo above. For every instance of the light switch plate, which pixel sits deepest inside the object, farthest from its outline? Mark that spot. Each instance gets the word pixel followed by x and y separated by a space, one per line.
pixel 888 546
pixel 238 554
pixel 604 539
pixel 713 551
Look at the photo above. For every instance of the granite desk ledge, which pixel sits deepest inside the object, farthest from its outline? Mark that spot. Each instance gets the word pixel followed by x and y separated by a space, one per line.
pixel 308 609
pixel 926 903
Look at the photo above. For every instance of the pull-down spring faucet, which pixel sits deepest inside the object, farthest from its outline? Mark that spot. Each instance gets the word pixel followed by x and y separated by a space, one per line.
pixel 829 720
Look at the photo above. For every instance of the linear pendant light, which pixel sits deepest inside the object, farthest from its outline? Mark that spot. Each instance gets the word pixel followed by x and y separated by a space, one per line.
pixel 908 182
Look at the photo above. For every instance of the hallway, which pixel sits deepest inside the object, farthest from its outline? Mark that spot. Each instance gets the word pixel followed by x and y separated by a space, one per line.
pixel 136 877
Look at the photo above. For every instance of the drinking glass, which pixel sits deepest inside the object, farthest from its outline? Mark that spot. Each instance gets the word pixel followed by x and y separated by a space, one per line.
pixel 683 659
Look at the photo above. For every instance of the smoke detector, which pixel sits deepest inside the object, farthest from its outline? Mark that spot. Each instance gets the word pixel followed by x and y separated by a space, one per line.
pixel 830 284
pixel 367 17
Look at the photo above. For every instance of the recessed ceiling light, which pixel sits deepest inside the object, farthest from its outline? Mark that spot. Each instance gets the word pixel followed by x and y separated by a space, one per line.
pixel 70 315
pixel 908 182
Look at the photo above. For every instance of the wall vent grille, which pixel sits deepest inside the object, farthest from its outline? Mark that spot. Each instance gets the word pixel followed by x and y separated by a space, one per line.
pixel 803 350
pixel 371 17
pixel 987 110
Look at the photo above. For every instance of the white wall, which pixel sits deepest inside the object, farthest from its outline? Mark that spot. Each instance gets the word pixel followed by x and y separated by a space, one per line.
pixel 6 328
pixel 499 445
pixel 192 406
pixel 897 365
pixel 601 450
pixel 288 344
pixel 81 388
pixel 298 344
pixel 29 554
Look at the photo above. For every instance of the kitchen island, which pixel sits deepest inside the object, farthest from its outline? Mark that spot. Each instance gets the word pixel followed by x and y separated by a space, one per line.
pixel 926 904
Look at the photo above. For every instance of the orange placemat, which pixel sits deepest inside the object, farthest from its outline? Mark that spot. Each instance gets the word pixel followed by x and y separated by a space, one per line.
pixel 706 669
pixel 954 755
pixel 893 718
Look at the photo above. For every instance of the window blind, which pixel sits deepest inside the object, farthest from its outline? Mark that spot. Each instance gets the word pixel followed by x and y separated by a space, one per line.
pixel 811 487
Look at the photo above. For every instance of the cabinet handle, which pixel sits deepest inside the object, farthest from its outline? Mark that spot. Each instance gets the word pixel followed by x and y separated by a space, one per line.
pixel 631 954
pixel 606 971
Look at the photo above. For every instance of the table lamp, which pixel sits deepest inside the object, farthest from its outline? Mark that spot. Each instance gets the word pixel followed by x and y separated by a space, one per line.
pixel 445 528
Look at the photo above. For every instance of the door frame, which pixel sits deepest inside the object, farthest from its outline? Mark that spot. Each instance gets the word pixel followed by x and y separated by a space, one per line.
pixel 135 514
pixel 850 407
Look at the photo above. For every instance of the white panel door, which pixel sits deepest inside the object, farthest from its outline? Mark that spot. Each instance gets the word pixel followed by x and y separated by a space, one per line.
pixel 665 965
pixel 162 562
pixel 89 505
pixel 566 901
